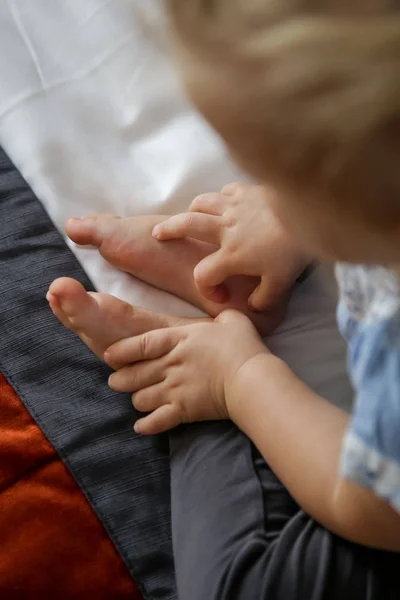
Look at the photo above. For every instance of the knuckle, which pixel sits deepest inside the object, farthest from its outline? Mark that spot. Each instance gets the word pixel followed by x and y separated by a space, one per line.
pixel 144 344
pixel 233 249
pixel 173 362
pixel 198 201
pixel 175 384
pixel 127 378
pixel 187 220
pixel 229 220
pixel 134 373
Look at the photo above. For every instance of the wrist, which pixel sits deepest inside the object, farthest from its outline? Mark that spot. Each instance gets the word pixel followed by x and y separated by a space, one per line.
pixel 261 370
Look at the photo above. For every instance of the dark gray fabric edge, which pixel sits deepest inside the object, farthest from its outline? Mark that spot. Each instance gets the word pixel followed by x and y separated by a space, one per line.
pixel 64 387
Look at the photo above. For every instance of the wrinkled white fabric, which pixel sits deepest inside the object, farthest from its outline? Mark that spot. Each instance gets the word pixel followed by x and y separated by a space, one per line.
pixel 93 115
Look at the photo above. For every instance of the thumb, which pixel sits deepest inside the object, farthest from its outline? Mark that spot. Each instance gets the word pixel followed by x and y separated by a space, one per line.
pixel 210 275
pixel 266 293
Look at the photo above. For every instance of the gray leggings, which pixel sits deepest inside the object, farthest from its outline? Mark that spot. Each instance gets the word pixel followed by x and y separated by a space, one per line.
pixel 238 534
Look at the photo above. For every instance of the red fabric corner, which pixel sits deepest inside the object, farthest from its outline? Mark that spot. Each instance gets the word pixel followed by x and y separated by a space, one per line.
pixel 52 545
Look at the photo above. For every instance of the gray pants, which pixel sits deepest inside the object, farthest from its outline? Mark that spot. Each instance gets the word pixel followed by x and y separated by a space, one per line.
pixel 238 534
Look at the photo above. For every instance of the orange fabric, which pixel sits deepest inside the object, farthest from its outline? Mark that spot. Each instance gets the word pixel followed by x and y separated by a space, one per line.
pixel 52 545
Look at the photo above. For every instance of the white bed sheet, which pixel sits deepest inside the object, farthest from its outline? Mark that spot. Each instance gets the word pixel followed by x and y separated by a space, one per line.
pixel 93 115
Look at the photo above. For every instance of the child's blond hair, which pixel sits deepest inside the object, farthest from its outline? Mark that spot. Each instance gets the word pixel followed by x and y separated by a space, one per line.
pixel 320 83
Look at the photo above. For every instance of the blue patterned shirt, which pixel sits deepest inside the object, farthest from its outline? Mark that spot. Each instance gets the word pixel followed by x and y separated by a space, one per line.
pixel 369 319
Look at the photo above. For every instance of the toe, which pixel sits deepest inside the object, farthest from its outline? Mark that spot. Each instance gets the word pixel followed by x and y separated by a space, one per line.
pixel 69 300
pixel 91 230
pixel 100 320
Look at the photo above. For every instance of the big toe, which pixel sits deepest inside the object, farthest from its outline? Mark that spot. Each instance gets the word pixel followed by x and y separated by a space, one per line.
pixel 92 230
pixel 71 303
pixel 89 315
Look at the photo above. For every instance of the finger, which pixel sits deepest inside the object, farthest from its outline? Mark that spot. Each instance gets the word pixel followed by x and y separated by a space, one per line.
pixel 148 399
pixel 232 317
pixel 164 418
pixel 210 274
pixel 230 189
pixel 211 204
pixel 267 293
pixel 138 376
pixel 206 228
pixel 148 346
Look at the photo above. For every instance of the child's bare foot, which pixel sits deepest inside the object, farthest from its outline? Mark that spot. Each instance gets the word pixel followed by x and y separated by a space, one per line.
pixel 129 245
pixel 100 319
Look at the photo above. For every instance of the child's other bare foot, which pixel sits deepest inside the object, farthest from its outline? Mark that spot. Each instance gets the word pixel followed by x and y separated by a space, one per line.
pixel 129 245
pixel 100 319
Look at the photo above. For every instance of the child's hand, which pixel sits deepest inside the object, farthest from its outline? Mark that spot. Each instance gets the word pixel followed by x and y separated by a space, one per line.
pixel 182 374
pixel 251 240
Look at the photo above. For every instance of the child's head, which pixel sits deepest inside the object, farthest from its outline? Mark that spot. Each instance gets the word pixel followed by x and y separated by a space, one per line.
pixel 306 94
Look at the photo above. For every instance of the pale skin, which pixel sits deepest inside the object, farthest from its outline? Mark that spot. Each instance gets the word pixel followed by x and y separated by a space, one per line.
pixel 239 213
pixel 129 245
pixel 299 433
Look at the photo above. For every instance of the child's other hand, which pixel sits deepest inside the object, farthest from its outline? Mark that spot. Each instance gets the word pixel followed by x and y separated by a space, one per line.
pixel 241 221
pixel 182 374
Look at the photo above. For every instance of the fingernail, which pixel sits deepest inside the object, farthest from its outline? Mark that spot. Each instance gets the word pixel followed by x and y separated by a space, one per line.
pixel 137 428
pixel 49 296
pixel 76 219
pixel 106 357
pixel 156 231
pixel 252 307
pixel 110 382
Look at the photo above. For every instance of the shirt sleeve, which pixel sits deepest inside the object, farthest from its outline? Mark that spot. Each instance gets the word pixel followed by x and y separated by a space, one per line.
pixel 371 449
